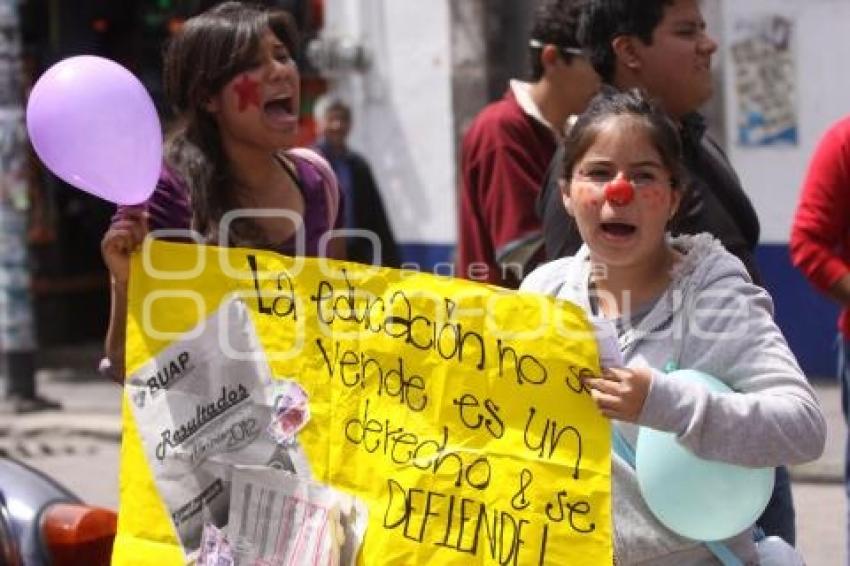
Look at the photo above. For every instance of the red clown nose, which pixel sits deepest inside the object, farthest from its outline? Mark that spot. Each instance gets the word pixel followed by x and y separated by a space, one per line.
pixel 619 192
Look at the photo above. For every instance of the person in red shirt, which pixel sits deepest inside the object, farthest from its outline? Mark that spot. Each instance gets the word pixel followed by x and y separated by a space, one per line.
pixel 820 242
pixel 508 147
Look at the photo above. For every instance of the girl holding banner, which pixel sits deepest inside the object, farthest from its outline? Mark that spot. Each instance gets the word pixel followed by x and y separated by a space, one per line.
pixel 676 302
pixel 231 175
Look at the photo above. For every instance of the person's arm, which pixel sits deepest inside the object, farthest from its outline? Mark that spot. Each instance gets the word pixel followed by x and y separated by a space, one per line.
pixel 506 181
pixel 822 220
pixel 840 290
pixel 728 331
pixel 514 181
pixel 168 207
pixel 124 236
pixel 501 171
pixel 726 187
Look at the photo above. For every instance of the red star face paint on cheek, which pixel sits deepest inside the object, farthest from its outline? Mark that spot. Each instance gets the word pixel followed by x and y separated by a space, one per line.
pixel 248 91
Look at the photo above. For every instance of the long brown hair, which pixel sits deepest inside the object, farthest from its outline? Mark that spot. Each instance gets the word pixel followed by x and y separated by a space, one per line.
pixel 209 51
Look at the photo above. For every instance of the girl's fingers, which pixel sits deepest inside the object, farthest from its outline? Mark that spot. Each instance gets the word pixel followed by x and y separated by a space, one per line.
pixel 610 398
pixel 137 215
pixel 131 212
pixel 122 237
pixel 614 374
pixel 139 231
pixel 132 229
pixel 603 385
pixel 609 406
pixel 119 240
pixel 123 227
pixel 605 401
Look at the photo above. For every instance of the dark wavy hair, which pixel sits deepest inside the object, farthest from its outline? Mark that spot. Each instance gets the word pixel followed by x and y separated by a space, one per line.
pixel 634 104
pixel 555 22
pixel 603 20
pixel 209 51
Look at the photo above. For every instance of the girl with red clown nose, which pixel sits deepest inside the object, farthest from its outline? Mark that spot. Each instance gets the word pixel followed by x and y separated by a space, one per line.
pixel 681 302
pixel 619 192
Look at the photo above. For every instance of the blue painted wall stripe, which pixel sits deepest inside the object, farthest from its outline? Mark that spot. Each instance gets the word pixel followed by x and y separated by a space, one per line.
pixel 808 318
pixel 426 256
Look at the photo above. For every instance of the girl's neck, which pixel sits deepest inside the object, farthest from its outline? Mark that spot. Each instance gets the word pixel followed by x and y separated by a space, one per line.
pixel 256 172
pixel 624 288
pixel 262 182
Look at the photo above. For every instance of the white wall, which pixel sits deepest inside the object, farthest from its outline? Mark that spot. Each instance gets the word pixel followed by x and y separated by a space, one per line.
pixel 404 122
pixel 821 44
pixel 403 109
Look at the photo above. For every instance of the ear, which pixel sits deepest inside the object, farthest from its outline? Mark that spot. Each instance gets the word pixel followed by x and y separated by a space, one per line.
pixel 565 195
pixel 213 104
pixel 548 55
pixel 626 52
pixel 675 201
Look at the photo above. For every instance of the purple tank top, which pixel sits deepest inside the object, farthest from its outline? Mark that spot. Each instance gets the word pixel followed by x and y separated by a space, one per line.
pixel 169 206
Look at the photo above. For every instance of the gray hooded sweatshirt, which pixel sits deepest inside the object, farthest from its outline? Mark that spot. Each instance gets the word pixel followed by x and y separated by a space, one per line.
pixel 713 319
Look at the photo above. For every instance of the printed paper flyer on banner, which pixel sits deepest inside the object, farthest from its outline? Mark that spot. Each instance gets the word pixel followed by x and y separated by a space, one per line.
pixel 201 413
pixel 282 406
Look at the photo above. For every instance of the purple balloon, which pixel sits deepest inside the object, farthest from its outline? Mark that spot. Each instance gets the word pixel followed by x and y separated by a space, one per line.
pixel 94 125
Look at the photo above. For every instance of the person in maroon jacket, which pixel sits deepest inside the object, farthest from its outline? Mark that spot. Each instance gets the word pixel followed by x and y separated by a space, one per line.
pixel 820 242
pixel 507 149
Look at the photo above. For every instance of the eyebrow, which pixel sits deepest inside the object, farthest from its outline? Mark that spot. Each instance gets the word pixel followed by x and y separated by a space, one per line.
pixel 690 22
pixel 648 163
pixel 608 162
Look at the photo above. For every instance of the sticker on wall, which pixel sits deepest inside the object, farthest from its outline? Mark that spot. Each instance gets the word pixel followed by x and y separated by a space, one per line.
pixel 765 81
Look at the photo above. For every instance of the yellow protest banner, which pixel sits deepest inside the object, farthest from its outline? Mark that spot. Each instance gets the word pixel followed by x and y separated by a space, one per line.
pixel 454 411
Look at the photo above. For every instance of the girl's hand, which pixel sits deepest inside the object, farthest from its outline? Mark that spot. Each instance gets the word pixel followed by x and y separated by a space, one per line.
pixel 620 392
pixel 123 237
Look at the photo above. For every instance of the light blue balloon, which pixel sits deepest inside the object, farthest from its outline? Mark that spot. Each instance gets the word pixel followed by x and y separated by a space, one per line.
pixel 696 498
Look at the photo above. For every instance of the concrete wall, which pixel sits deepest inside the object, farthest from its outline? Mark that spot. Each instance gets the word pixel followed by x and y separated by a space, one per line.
pixel 813 84
pixel 403 112
pixel 819 45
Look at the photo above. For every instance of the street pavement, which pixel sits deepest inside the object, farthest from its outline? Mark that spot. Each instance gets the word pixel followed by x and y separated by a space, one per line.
pixel 79 446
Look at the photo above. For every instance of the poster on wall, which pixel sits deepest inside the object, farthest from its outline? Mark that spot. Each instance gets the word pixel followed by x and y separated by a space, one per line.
pixel 765 80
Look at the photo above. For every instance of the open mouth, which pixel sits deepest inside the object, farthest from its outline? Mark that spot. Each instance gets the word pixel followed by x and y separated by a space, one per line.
pixel 280 107
pixel 618 229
